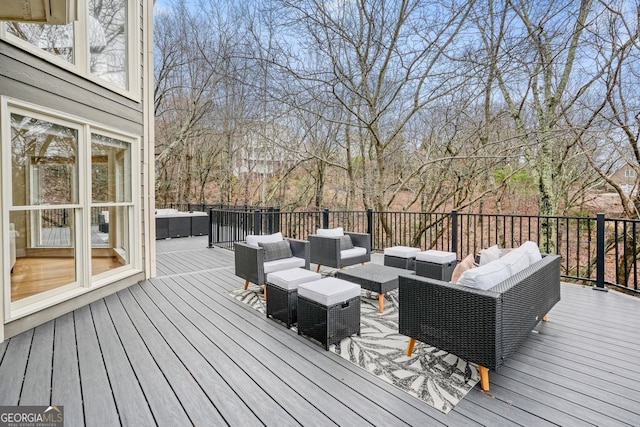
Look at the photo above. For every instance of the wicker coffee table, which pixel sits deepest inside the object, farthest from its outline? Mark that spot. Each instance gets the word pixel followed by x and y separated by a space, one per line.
pixel 374 277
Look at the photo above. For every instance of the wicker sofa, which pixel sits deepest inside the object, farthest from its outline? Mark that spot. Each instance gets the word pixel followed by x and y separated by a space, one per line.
pixel 481 326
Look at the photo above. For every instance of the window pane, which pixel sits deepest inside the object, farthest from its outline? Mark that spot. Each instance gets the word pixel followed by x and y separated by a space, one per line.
pixel 44 162
pixel 108 40
pixel 109 238
pixel 55 39
pixel 43 243
pixel 110 170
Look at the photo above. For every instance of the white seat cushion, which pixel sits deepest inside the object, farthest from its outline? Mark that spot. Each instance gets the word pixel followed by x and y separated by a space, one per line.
pixel 436 257
pixel 401 251
pixel 165 212
pixel 330 232
pixel 254 239
pixel 352 253
pixel 486 276
pixel 291 278
pixel 329 291
pixel 283 264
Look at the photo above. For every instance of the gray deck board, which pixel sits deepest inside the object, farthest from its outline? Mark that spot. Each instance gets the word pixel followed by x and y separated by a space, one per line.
pixel 565 396
pixel 613 384
pixel 3 347
pixel 582 352
pixel 165 406
pixel 13 368
pixel 99 406
pixel 259 365
pixel 65 383
pixel 179 350
pixel 131 402
pixel 242 384
pixel 196 404
pixel 536 413
pixel 224 398
pixel 518 391
pixel 36 388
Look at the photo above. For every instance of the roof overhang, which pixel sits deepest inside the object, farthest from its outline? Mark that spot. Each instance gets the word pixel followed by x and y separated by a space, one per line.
pixel 39 11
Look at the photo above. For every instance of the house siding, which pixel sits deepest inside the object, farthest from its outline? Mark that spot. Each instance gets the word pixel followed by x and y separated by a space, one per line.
pixel 32 79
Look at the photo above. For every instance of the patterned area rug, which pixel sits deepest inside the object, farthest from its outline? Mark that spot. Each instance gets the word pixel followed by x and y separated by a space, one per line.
pixel 436 377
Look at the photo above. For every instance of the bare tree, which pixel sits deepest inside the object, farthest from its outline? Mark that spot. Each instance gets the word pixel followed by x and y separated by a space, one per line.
pixel 381 62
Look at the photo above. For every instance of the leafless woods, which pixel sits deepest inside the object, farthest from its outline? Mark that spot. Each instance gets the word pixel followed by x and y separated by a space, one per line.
pixel 521 105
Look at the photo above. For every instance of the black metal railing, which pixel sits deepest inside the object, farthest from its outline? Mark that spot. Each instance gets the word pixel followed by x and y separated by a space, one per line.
pixel 595 251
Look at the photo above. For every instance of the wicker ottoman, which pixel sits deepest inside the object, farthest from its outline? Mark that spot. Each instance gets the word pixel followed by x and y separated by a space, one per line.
pixel 400 257
pixel 328 310
pixel 282 293
pixel 436 264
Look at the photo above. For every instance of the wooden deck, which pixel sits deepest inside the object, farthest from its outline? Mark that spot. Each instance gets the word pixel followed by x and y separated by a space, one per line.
pixel 177 350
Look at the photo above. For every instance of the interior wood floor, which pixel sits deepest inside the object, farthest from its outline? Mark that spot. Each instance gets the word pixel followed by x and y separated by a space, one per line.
pixel 34 275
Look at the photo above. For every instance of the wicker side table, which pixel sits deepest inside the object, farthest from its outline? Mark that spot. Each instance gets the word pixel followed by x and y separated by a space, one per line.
pixel 328 310
pixel 400 257
pixel 436 264
pixel 282 293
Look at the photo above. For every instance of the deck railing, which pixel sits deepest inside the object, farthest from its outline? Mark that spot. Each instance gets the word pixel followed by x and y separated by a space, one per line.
pixel 595 251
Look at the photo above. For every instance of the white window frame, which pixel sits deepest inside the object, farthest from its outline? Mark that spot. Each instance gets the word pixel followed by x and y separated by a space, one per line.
pixel 85 282
pixel 81 50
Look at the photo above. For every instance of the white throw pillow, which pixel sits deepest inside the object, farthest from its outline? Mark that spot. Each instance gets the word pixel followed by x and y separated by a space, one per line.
pixel 489 254
pixel 254 239
pixel 330 232
pixel 486 276
pixel 517 260
pixel 531 248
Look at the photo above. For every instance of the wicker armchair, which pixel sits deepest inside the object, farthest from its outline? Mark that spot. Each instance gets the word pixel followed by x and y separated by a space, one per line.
pixel 326 250
pixel 483 327
pixel 250 261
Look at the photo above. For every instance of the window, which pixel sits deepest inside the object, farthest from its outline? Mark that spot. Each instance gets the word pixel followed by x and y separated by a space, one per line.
pixel 108 41
pixel 629 173
pixel 71 195
pixel 111 205
pixel 101 44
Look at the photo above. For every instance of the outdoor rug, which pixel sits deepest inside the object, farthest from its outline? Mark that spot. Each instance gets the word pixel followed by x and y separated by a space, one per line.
pixel 436 377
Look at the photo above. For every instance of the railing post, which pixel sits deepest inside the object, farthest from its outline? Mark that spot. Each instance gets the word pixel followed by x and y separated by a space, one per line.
pixel 600 245
pixel 370 226
pixel 276 220
pixel 270 220
pixel 257 222
pixel 210 245
pixel 325 218
pixel 454 231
